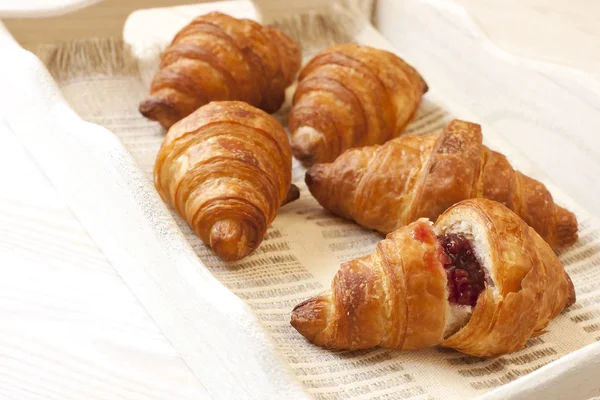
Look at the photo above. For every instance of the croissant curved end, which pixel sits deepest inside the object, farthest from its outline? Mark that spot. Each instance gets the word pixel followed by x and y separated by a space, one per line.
pixel 311 316
pixel 158 109
pixel 229 240
pixel 566 227
pixel 425 86
pixel 308 145
pixel 572 298
pixel 292 194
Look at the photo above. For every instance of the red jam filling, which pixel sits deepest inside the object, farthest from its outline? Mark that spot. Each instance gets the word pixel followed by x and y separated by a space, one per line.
pixel 466 278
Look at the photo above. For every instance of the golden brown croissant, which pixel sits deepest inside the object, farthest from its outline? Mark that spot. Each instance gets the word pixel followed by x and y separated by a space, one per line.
pixel 218 57
pixel 348 96
pixel 386 187
pixel 226 169
pixel 480 281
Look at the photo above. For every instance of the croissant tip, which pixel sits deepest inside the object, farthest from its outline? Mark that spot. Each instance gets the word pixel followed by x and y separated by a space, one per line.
pixel 308 145
pixel 148 107
pixel 572 297
pixel 566 227
pixel 155 109
pixel 309 318
pixel 229 240
pixel 292 195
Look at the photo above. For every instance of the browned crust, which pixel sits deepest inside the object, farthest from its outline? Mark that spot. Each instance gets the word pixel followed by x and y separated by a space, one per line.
pixel 307 150
pixel 355 131
pixel 370 94
pixel 396 296
pixel 385 187
pixel 425 285
pixel 226 169
pixel 532 286
pixel 292 195
pixel 218 57
pixel 451 172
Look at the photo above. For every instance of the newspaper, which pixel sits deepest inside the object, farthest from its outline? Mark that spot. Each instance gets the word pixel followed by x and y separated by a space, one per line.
pixel 305 245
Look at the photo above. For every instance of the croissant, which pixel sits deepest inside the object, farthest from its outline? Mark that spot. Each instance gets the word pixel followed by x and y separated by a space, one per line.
pixel 348 96
pixel 218 57
pixel 386 187
pixel 480 281
pixel 226 169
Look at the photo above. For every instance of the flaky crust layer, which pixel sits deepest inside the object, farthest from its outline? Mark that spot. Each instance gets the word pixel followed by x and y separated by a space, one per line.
pixel 218 57
pixel 531 286
pixel 348 96
pixel 396 296
pixel 386 187
pixel 226 169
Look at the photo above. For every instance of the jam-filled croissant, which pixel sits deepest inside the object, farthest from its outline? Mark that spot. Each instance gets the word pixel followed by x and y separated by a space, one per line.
pixel 480 281
pixel 386 187
pixel 348 96
pixel 226 169
pixel 218 57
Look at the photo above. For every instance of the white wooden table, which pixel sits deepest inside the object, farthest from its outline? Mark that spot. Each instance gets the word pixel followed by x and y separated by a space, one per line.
pixel 69 326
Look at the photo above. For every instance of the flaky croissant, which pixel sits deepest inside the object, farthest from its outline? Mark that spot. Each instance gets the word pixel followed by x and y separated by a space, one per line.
pixel 386 187
pixel 348 96
pixel 480 281
pixel 218 57
pixel 226 169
